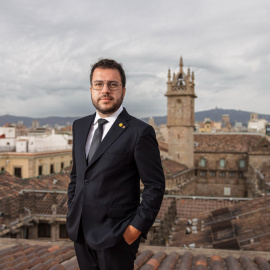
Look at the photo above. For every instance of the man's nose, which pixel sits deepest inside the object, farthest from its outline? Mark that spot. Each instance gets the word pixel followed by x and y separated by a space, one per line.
pixel 105 89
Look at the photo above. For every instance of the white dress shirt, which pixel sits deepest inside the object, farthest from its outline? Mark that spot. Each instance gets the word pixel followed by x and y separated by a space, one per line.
pixel 106 127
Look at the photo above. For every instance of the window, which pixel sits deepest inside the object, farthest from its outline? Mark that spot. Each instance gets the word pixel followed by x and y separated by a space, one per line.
pixel 51 168
pixel 25 233
pixel 2 169
pixel 63 231
pixel 227 191
pixel 18 172
pixel 40 170
pixel 240 175
pixel 242 163
pixel 202 162
pixel 232 174
pixel 222 174
pixel 212 173
pixel 44 230
pixel 62 165
pixel 222 163
pixel 203 174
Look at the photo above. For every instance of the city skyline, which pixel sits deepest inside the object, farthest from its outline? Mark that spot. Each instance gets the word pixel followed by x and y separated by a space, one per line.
pixel 47 49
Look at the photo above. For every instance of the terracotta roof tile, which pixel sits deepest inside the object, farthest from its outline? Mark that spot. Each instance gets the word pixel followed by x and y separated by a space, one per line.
pixel 170 261
pixel 142 258
pixel 32 257
pixel 71 264
pixel 186 261
pixel 63 257
pixel 154 262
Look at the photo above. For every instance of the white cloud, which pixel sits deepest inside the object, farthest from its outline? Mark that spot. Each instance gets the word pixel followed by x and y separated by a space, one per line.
pixel 47 48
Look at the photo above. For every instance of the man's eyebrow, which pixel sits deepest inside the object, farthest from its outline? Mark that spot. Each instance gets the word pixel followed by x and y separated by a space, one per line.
pixel 105 81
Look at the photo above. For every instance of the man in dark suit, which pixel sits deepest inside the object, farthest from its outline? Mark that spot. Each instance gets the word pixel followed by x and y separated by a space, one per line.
pixel 106 218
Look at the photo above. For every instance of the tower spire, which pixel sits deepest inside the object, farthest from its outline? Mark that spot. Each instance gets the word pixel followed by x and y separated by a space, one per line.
pixel 181 64
pixel 169 75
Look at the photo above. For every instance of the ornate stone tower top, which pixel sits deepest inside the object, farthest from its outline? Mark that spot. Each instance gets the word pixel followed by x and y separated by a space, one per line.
pixel 181 94
pixel 181 84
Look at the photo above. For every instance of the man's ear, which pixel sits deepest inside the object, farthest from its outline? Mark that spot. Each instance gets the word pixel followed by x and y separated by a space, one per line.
pixel 124 92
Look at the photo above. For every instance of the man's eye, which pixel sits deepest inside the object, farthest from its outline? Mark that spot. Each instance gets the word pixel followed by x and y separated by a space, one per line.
pixel 113 84
pixel 98 84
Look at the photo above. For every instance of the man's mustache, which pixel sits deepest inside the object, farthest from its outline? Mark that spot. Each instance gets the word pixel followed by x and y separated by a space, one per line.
pixel 105 96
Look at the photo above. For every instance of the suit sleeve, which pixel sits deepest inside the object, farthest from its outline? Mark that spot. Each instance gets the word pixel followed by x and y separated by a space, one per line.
pixel 147 157
pixel 73 174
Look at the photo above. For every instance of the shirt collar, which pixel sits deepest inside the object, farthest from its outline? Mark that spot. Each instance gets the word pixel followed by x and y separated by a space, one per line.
pixel 110 118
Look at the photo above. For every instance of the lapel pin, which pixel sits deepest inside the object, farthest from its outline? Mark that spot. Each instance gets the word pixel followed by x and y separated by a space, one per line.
pixel 121 125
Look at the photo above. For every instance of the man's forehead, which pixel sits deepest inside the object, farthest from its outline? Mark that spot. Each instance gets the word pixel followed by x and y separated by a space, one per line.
pixel 99 71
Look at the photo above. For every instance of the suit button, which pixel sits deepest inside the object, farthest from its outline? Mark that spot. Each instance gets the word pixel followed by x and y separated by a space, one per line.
pixel 86 182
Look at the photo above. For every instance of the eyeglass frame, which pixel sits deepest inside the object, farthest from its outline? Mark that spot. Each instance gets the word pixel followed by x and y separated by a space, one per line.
pixel 106 82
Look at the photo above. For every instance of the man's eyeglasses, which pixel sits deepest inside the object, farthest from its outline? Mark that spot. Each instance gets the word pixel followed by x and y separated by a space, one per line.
pixel 112 85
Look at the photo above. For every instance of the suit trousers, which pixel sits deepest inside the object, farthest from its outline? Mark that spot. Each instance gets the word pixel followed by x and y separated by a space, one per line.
pixel 118 257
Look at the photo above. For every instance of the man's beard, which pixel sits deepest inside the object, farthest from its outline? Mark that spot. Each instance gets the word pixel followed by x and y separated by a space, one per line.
pixel 111 109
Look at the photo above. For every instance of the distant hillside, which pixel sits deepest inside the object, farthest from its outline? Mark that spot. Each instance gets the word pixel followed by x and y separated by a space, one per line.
pixel 213 114
pixel 235 115
pixel 216 115
pixel 27 121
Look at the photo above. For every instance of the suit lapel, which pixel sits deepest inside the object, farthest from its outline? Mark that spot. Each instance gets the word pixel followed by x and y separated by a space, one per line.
pixel 118 127
pixel 84 131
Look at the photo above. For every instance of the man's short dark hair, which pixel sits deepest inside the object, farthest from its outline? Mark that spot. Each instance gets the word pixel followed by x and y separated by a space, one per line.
pixel 109 64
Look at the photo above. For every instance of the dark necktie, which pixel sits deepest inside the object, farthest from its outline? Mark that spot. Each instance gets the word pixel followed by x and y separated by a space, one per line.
pixel 96 138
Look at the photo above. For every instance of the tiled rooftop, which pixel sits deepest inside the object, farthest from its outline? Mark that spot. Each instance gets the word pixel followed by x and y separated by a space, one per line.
pixel 240 143
pixel 43 256
pixel 166 206
pixel 26 205
pixel 192 207
pixel 24 198
pixel 226 142
pixel 163 146
pixel 37 257
pixel 172 167
pixel 11 185
pixel 243 226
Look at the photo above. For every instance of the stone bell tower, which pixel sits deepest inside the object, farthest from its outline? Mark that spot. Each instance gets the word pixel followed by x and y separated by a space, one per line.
pixel 180 116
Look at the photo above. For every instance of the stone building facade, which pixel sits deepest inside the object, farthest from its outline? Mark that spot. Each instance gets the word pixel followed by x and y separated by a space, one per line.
pixel 26 165
pixel 225 164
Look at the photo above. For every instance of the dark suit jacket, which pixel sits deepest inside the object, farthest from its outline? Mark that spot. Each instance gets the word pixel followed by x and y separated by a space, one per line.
pixel 106 193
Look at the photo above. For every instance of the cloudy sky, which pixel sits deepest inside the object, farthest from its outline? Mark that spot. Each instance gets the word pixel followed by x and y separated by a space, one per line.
pixel 47 48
